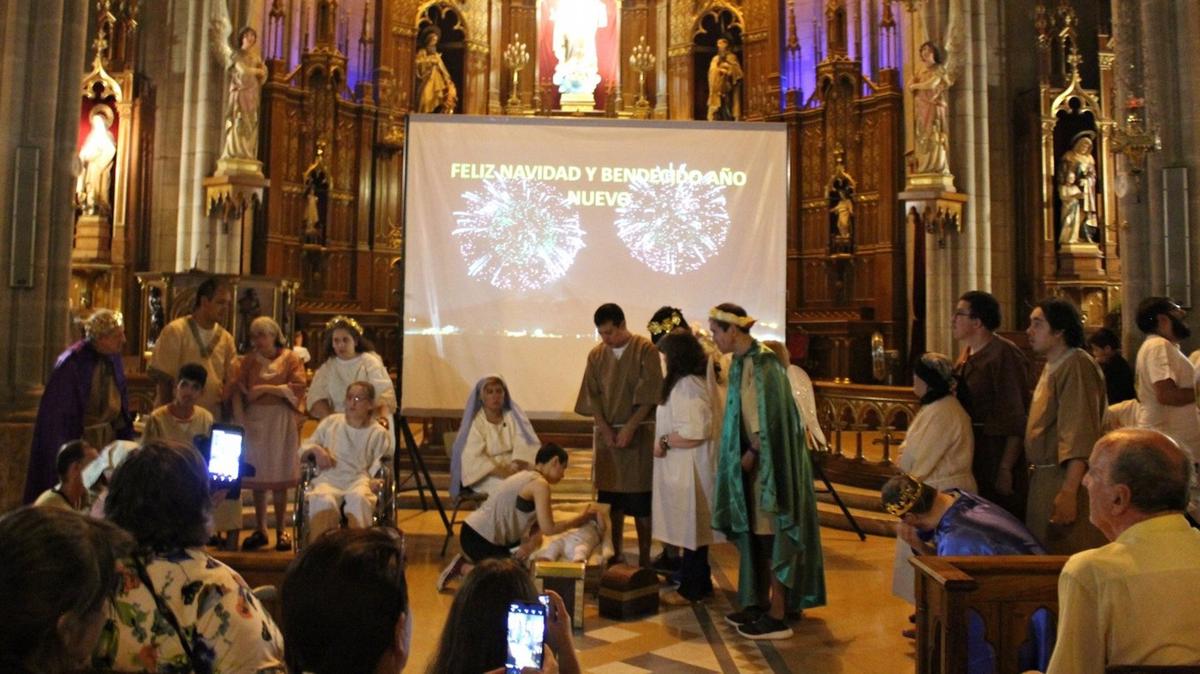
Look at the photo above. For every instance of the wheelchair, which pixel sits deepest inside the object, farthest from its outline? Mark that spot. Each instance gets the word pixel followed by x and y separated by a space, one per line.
pixel 383 485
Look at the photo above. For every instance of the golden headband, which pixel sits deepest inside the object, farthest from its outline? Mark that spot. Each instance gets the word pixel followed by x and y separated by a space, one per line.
pixel 733 319
pixel 910 491
pixel 664 326
pixel 102 322
pixel 345 321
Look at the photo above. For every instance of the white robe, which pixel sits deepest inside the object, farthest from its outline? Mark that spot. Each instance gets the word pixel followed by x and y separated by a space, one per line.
pixel 358 453
pixel 490 445
pixel 937 450
pixel 683 480
pixel 336 375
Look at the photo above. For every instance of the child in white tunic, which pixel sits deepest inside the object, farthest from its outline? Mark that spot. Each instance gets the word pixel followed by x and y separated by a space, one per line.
pixel 348 448
pixel 349 359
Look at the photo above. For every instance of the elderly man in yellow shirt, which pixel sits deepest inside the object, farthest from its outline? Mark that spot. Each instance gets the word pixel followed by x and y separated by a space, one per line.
pixel 1133 601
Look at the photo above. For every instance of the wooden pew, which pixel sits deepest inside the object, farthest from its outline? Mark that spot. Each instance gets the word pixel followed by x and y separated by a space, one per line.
pixel 1004 591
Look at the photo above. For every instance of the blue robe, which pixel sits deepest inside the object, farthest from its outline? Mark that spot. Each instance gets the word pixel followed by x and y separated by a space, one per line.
pixel 60 413
pixel 974 526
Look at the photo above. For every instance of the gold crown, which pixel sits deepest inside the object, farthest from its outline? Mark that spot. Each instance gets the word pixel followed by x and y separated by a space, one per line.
pixel 910 491
pixel 734 319
pixel 344 320
pixel 664 326
pixel 102 322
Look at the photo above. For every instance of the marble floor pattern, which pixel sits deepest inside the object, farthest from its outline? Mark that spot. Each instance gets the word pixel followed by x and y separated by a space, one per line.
pixel 859 631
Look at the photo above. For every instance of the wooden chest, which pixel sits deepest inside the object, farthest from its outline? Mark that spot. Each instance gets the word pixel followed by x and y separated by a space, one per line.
pixel 567 579
pixel 628 592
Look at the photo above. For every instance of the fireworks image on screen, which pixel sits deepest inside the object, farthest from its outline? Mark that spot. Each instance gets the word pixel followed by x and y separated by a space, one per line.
pixel 518 234
pixel 673 228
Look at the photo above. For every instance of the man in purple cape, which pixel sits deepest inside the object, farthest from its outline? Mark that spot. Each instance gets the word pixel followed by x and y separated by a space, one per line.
pixel 85 398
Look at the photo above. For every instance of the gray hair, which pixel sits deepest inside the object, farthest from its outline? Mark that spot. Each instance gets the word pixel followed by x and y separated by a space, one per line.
pixel 1154 468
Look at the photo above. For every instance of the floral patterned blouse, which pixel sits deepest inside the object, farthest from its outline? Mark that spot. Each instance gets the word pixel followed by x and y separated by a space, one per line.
pixel 224 623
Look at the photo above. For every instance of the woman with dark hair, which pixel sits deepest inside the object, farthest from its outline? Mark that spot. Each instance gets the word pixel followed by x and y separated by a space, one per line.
pixel 937 450
pixel 684 465
pixel 345 604
pixel 58 572
pixel 268 397
pixel 667 321
pixel 349 357
pixel 474 638
pixel 495 439
pixel 177 608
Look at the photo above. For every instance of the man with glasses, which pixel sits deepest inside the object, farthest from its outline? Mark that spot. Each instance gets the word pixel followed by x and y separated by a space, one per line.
pixel 993 377
pixel 348 448
pixel 1165 378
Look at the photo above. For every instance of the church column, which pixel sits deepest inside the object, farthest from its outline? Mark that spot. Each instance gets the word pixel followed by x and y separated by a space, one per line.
pixel 203 94
pixel 42 52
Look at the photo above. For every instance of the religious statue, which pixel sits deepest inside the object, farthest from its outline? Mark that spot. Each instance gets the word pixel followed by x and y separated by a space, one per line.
pixel 930 87
pixel 724 84
pixel 157 316
pixel 316 195
pixel 575 26
pixel 249 308
pixel 96 161
pixel 1077 190
pixel 247 73
pixel 435 88
pixel 841 206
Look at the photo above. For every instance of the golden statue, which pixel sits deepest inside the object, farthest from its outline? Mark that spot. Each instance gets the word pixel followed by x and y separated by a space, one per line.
pixel 724 84
pixel 435 88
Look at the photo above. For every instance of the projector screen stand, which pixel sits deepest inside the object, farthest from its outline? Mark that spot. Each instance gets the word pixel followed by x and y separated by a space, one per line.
pixel 420 473
pixel 836 499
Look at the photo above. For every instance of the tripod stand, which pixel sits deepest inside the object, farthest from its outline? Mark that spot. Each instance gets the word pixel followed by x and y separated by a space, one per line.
pixel 419 471
pixel 820 472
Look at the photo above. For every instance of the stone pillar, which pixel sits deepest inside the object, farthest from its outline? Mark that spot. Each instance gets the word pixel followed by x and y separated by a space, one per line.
pixel 42 53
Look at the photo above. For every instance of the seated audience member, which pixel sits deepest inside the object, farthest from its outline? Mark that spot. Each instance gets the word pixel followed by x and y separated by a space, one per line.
pixel 474 638
pixel 955 523
pixel 177 608
pixel 345 604
pixel 181 420
pixel 70 493
pixel 1105 346
pixel 58 573
pixel 97 475
pixel 1133 601
pixel 348 448
pixel 513 520
pixel 495 439
pixel 937 450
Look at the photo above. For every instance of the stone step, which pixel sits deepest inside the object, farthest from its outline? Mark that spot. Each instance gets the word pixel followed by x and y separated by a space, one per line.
pixel 872 522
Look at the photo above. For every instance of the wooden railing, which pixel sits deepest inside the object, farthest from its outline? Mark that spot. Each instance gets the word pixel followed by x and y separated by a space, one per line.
pixel 864 424
pixel 1015 599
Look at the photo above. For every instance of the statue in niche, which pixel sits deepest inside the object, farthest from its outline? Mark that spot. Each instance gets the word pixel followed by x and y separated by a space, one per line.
pixel 1077 191
pixel 95 163
pixel 157 316
pixel 246 72
pixel 316 197
pixel 841 206
pixel 435 88
pixel 249 308
pixel 575 26
pixel 724 84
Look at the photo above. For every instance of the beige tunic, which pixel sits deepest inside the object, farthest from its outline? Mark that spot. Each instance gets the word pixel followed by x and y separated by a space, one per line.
pixel 162 425
pixel 1065 421
pixel 103 406
pixel 610 390
pixel 180 343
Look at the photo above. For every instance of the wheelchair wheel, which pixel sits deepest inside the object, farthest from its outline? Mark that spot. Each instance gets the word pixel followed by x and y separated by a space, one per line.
pixel 385 498
pixel 300 527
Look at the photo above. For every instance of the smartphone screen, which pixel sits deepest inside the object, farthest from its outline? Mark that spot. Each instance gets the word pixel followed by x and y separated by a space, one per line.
pixel 526 633
pixel 226 454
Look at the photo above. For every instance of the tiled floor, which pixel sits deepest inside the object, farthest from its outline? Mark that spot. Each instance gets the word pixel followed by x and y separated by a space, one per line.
pixel 859 631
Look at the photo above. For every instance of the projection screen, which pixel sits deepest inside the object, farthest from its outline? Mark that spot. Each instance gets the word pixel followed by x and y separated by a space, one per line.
pixel 517 229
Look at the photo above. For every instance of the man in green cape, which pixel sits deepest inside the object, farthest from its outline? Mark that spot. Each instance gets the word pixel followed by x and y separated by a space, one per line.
pixel 763 497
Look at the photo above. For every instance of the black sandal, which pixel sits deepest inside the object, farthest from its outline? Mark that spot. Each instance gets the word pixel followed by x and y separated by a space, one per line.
pixel 254 541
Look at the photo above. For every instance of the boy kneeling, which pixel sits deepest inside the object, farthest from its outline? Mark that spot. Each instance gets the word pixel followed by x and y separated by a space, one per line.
pixel 348 449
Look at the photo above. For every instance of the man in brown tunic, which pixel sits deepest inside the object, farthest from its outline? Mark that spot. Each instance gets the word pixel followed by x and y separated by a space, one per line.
pixel 620 389
pixel 994 388
pixel 1064 423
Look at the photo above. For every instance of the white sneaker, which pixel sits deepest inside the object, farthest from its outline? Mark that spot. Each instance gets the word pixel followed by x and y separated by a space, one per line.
pixel 450 572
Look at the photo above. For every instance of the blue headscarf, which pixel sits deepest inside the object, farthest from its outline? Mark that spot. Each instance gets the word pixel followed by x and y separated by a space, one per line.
pixel 470 409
